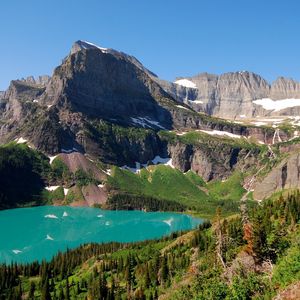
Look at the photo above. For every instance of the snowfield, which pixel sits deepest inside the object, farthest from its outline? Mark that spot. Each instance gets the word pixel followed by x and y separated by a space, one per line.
pixel 186 83
pixel 222 133
pixel 52 188
pixel 20 140
pixel 52 158
pixel 104 50
pixel 180 106
pixel 277 105
pixel 156 160
pixel 196 101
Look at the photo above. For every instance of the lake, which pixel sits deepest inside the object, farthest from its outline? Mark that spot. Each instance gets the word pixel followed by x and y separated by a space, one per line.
pixel 37 233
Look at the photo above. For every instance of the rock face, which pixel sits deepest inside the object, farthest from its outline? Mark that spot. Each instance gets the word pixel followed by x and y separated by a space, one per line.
pixel 284 176
pixel 76 161
pixel 39 81
pixel 231 95
pixel 107 84
pixel 202 159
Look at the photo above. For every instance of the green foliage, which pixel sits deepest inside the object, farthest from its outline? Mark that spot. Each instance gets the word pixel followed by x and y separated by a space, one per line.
pixel 22 175
pixel 52 196
pixel 230 189
pixel 82 178
pixel 59 171
pixel 190 190
pixel 130 202
pixel 209 141
pixel 74 194
pixel 287 269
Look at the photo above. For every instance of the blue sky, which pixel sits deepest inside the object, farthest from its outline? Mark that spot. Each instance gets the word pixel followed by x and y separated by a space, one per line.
pixel 171 38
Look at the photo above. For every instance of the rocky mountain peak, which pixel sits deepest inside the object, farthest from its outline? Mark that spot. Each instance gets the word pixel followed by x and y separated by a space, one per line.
pixel 42 80
pixel 83 45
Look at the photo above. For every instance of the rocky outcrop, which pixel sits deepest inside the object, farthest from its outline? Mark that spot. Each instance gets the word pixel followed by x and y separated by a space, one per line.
pixel 41 81
pixel 285 176
pixel 231 95
pixel 283 88
pixel 94 195
pixel 76 161
pixel 211 160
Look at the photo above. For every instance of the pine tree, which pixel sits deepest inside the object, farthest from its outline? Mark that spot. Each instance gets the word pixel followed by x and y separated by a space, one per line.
pixel 31 290
pixel 45 294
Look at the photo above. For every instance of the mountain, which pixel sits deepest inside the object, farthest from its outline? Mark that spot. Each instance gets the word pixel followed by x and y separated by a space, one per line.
pixel 104 131
pixel 102 108
pixel 237 95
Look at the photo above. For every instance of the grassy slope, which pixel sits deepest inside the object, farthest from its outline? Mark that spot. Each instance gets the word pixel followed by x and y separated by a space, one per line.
pixel 189 189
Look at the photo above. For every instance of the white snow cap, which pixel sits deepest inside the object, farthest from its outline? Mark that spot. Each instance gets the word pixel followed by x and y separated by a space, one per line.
pixel 87 45
pixel 186 83
pixel 277 105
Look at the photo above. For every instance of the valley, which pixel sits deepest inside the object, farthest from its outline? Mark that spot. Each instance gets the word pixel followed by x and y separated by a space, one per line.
pixel 105 135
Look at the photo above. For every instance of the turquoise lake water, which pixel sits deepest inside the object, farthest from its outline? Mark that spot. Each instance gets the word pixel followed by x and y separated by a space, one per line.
pixel 37 233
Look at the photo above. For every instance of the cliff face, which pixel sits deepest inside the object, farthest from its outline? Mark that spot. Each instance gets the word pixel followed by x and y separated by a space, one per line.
pixel 231 95
pixel 214 160
pixel 107 85
pixel 284 176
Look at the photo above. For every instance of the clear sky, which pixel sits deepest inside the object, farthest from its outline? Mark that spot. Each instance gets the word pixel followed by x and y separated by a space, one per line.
pixel 170 37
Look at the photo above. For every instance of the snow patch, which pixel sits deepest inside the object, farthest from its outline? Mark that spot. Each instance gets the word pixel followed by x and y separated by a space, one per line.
pixel 52 158
pixel 222 133
pixel 186 83
pixel 20 140
pixel 277 105
pixel 35 101
pixel 135 170
pixel 104 50
pixel 165 161
pixel 108 172
pixel 101 186
pixel 196 101
pixel 242 116
pixel 69 150
pixel 51 216
pixel 181 133
pixel 52 188
pixel 146 122
pixel 180 106
pixel 259 123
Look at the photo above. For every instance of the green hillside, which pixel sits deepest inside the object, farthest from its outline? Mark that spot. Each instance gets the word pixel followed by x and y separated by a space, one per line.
pixel 164 182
